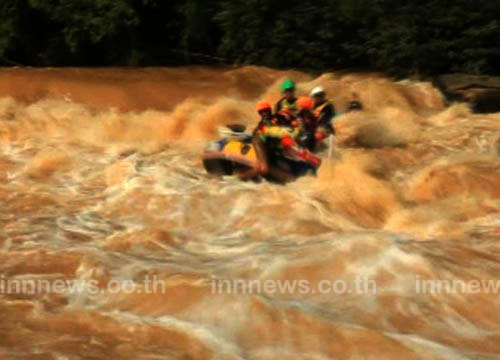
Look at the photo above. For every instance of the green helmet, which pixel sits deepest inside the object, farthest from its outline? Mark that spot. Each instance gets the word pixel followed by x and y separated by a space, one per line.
pixel 288 85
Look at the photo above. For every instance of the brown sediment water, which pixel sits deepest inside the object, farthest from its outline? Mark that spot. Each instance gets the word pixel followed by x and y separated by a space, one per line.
pixel 101 180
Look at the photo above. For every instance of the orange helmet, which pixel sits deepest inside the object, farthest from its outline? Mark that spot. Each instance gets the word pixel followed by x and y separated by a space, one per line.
pixel 305 102
pixel 263 105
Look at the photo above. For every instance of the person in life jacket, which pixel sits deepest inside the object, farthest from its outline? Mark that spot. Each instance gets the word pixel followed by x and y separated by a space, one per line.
pixel 278 133
pixel 283 118
pixel 267 118
pixel 271 136
pixel 324 111
pixel 281 141
pixel 307 123
pixel 288 101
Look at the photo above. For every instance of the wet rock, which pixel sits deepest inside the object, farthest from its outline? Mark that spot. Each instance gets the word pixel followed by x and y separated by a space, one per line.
pixel 482 92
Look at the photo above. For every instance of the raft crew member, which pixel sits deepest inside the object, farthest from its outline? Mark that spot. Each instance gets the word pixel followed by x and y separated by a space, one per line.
pixel 308 123
pixel 272 134
pixel 288 101
pixel 267 118
pixel 324 111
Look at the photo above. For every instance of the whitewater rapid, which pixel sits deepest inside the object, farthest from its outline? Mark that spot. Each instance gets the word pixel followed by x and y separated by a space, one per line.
pixel 101 180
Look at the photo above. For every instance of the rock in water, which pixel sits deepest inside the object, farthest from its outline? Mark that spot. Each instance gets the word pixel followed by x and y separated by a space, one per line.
pixel 482 92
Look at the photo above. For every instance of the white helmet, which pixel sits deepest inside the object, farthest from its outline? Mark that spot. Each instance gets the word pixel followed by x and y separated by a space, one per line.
pixel 318 90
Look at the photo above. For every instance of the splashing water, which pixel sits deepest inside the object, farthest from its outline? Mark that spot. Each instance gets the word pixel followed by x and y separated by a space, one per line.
pixel 101 179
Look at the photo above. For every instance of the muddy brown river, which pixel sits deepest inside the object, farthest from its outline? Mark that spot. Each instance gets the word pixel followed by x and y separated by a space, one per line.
pixel 391 252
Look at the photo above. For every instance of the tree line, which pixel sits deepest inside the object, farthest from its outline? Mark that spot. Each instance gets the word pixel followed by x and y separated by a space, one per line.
pixel 399 37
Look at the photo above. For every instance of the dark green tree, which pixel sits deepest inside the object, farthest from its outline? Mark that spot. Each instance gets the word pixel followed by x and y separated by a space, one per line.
pixel 401 38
